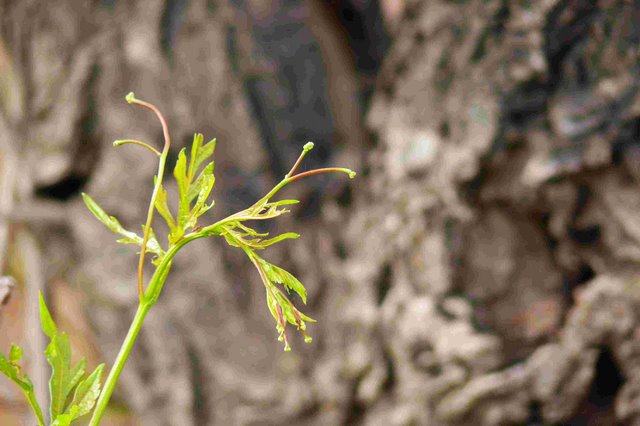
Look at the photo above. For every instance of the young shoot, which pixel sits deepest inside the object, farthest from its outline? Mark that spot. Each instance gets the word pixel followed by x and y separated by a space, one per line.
pixel 73 395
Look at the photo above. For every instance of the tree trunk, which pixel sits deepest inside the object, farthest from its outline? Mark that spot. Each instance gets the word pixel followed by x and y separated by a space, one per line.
pixel 482 269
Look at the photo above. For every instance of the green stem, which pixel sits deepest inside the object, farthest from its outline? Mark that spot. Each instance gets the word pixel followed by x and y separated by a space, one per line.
pixel 136 142
pixel 114 374
pixel 161 163
pixel 147 226
pixel 151 296
pixel 35 406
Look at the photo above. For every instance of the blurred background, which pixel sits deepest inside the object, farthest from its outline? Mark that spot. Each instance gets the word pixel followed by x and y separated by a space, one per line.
pixel 483 269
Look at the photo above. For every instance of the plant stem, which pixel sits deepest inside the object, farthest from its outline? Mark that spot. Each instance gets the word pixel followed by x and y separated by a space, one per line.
pixel 35 406
pixel 161 163
pixel 150 298
pixel 147 226
pixel 114 374
pixel 136 142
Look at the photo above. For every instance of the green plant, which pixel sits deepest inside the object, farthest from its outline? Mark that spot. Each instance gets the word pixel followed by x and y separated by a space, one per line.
pixel 71 395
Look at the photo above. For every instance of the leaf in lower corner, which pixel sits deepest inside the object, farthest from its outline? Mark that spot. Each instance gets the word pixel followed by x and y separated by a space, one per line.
pixel 62 420
pixel 86 394
pixel 13 371
pixel 58 355
pixel 75 375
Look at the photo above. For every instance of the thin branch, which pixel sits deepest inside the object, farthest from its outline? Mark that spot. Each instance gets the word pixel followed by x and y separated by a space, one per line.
pixel 350 172
pixel 307 147
pixel 163 158
pixel 136 142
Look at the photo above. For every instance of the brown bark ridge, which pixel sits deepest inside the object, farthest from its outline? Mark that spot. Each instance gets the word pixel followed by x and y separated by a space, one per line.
pixel 505 252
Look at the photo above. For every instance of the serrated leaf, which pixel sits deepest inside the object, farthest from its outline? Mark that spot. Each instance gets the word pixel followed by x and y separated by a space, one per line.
pixel 180 173
pixel 109 221
pixel 231 239
pixel 271 303
pixel 163 207
pixel 13 371
pixel 86 394
pixel 195 148
pixel 153 246
pixel 62 420
pixel 250 232
pixel 75 375
pixel 266 243
pixel 281 203
pixel 287 308
pixel 62 379
pixel 199 153
pixel 200 206
pixel 304 317
pixel 279 275
pixel 203 179
pixel 48 326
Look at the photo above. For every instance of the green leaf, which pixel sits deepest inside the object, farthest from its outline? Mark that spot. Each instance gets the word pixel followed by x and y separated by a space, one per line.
pixel 48 326
pixel 15 354
pixel 86 394
pixel 200 206
pixel 75 375
pixel 248 231
pixel 279 275
pixel 285 236
pixel 195 148
pixel 202 181
pixel 109 221
pixel 62 420
pixel 232 239
pixel 281 203
pixel 13 371
pixel 63 378
pixel 153 246
pixel 287 308
pixel 163 208
pixel 271 303
pixel 180 173
pixel 129 237
pixel 199 153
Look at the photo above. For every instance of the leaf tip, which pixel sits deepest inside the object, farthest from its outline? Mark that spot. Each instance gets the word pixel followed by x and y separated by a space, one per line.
pixel 351 174
pixel 48 326
pixel 308 146
pixel 130 98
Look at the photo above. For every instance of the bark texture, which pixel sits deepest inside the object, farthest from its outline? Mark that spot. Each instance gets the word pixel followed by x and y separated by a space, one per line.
pixel 483 270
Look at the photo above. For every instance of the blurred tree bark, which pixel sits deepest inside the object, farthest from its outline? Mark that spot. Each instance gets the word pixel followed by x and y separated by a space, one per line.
pixel 482 270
